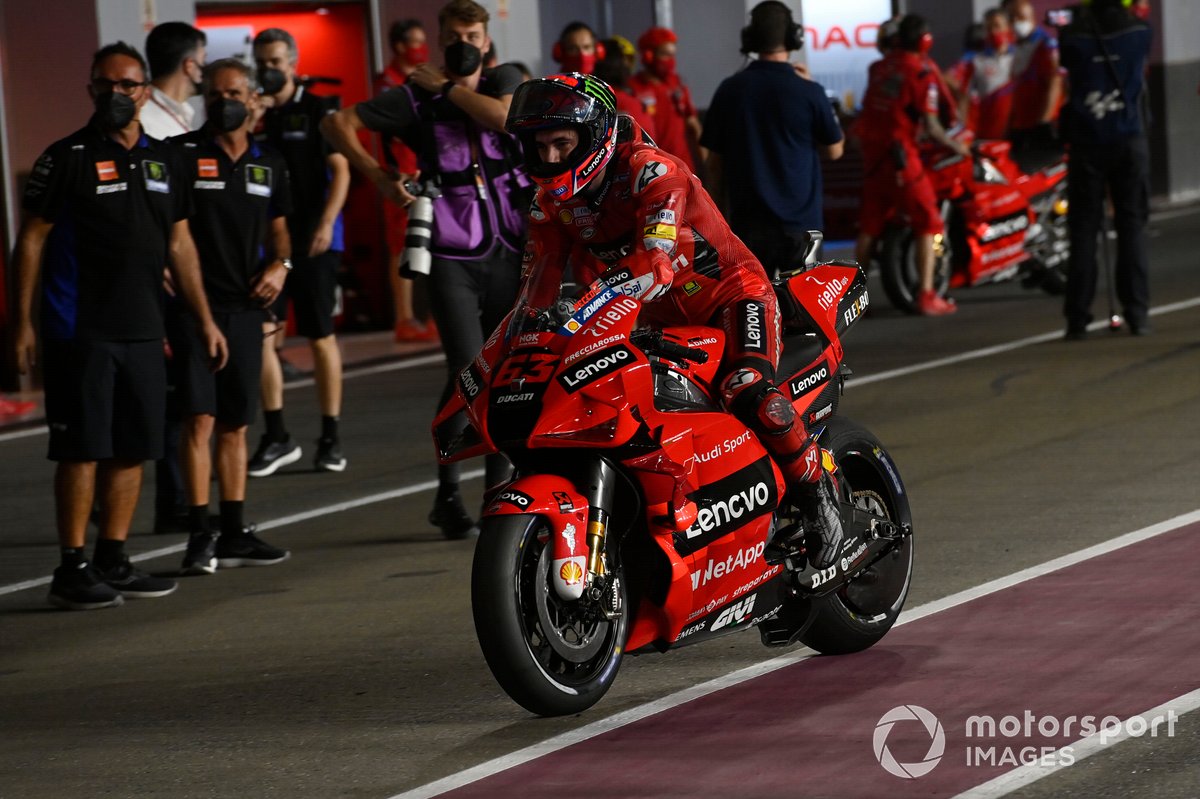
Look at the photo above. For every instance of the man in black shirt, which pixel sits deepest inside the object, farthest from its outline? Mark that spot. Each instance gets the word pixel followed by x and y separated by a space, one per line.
pixel 240 190
pixel 453 118
pixel 320 179
pixel 105 209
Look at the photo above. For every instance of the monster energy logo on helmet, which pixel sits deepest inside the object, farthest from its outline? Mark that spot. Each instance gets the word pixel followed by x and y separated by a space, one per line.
pixel 598 89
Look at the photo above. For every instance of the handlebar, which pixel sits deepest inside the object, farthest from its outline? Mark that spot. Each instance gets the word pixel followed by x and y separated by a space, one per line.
pixel 652 343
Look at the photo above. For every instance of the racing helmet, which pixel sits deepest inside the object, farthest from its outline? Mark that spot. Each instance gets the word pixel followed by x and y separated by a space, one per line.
pixel 581 102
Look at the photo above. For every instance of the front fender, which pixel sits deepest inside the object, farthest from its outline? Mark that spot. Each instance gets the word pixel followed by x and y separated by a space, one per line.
pixel 565 510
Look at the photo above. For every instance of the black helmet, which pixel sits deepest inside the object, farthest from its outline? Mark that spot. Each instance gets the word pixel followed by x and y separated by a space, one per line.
pixel 582 102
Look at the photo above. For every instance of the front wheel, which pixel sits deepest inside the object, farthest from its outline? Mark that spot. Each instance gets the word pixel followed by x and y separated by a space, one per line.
pixel 553 657
pixel 861 612
pixel 898 268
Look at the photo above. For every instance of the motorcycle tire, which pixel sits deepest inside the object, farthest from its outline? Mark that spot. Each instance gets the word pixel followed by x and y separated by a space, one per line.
pixel 860 613
pixel 553 657
pixel 898 269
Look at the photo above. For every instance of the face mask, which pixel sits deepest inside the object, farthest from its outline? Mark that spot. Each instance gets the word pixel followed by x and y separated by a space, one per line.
pixel 416 54
pixel 1023 27
pixel 227 115
pixel 580 62
pixel 463 58
pixel 999 40
pixel 271 80
pixel 663 68
pixel 114 110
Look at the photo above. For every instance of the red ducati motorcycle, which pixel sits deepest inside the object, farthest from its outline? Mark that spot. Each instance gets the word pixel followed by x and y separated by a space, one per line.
pixel 642 516
pixel 1000 223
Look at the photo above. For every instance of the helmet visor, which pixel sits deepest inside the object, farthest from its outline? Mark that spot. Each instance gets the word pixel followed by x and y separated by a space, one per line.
pixel 540 104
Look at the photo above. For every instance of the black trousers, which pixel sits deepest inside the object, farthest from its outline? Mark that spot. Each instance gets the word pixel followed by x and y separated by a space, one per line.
pixel 1122 171
pixel 777 248
pixel 469 299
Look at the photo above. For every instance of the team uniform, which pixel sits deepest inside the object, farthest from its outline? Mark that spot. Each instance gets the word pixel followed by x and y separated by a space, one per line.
pixel 901 91
pixel 292 130
pixel 1035 65
pixel 988 76
pixel 669 103
pixel 101 314
pixel 235 203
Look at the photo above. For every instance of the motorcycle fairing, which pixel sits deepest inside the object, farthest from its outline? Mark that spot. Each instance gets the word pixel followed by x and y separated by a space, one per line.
pixel 565 510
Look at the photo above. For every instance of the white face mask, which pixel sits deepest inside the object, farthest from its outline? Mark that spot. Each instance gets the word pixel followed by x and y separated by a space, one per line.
pixel 1023 27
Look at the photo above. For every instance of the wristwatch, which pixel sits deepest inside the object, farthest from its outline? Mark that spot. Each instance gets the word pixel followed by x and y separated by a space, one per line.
pixel 287 263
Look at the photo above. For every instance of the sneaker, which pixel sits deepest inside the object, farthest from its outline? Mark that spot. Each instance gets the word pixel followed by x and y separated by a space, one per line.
pixel 16 408
pixel 271 456
pixel 822 523
pixel 247 549
pixel 133 583
pixel 930 304
pixel 451 517
pixel 201 554
pixel 408 330
pixel 80 588
pixel 329 456
pixel 1075 333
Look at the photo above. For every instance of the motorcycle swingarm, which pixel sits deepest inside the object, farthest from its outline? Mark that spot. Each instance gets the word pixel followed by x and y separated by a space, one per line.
pixel 870 538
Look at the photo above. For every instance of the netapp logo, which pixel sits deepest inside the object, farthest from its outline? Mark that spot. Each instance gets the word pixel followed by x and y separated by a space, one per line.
pixel 597 366
pixel 729 504
pixel 806 382
pixel 1005 227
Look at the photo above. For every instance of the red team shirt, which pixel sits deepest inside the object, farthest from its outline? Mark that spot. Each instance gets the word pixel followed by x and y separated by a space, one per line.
pixel 670 104
pixel 902 89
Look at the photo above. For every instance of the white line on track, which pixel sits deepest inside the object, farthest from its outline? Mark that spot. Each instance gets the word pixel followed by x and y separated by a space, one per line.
pixel 1085 747
pixel 632 715
pixel 282 521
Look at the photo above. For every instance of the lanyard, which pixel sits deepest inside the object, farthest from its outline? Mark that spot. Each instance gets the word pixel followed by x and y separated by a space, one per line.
pixel 186 127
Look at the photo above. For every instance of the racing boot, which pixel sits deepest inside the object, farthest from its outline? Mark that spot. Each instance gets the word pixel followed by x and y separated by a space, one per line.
pixel 822 518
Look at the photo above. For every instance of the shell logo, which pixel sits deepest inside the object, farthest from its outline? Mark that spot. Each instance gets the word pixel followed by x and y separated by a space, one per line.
pixel 571 572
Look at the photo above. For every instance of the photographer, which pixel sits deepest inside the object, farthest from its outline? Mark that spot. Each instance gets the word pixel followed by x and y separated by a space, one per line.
pixel 454 120
pixel 1105 49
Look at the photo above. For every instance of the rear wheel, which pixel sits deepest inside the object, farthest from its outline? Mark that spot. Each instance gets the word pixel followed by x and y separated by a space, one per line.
pixel 898 268
pixel 861 612
pixel 553 657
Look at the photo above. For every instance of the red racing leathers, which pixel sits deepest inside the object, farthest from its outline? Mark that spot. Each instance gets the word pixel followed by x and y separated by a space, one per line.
pixel 653 232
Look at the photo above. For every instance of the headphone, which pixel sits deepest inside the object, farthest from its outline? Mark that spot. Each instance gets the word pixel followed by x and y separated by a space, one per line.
pixel 558 55
pixel 793 35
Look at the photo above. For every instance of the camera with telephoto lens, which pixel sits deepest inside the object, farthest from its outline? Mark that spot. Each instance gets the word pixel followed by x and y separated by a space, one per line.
pixel 417 259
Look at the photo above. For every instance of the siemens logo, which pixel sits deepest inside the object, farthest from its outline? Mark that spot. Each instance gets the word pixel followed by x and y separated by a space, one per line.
pixel 597 366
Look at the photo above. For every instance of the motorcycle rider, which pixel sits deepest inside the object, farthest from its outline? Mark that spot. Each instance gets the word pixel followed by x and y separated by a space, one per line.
pixel 621 208
pixel 901 100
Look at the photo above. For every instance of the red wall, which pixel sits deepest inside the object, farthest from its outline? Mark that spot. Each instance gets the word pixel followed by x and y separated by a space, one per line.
pixel 335 44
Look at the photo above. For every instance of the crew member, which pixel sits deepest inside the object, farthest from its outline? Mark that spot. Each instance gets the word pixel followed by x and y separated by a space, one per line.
pixel 241 200
pixel 987 79
pixel 320 180
pixel 667 98
pixel 650 228
pixel 105 209
pixel 479 220
pixel 1037 90
pixel 768 127
pixel 901 101
pixel 410 49
pixel 1105 50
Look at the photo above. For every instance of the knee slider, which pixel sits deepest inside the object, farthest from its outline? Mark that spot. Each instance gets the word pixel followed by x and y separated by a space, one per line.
pixel 758 403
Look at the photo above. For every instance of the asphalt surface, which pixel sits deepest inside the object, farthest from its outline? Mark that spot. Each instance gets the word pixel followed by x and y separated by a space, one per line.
pixel 352 669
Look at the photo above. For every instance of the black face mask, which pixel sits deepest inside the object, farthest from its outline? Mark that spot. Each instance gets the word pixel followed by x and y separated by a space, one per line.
pixel 114 110
pixel 463 58
pixel 227 115
pixel 271 81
